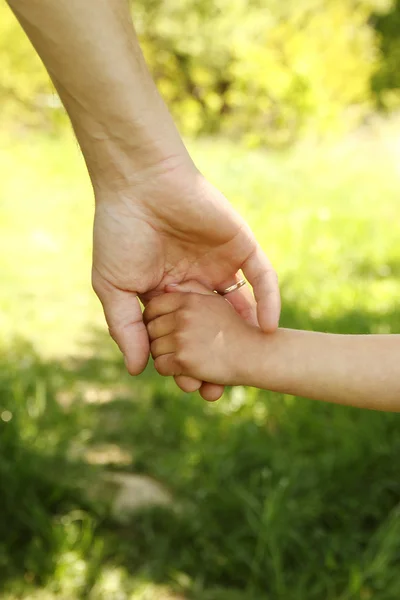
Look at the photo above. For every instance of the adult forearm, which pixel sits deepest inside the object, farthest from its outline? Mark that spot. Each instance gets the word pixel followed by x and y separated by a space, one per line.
pixel 355 370
pixel 91 52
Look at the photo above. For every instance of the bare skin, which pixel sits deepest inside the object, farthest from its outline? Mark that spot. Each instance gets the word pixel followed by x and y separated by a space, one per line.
pixel 200 335
pixel 157 219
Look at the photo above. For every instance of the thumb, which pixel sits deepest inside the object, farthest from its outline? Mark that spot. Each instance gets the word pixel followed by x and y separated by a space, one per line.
pixel 125 323
pixel 261 275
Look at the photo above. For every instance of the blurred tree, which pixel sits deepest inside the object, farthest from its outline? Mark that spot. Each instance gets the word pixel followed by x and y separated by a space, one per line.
pixel 26 92
pixel 386 81
pixel 260 70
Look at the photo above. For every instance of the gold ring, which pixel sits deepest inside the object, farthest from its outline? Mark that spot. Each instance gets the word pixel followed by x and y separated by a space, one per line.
pixel 234 287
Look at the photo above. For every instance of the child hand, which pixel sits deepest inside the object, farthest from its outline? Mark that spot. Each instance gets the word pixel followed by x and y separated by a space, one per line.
pixel 200 336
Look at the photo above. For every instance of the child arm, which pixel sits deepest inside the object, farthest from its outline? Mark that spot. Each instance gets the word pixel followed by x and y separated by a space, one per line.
pixel 201 336
pixel 356 370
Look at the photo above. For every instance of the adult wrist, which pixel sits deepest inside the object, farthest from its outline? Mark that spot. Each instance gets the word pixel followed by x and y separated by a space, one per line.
pixel 117 159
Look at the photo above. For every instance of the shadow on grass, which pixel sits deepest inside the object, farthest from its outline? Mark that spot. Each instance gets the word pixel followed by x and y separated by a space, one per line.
pixel 273 497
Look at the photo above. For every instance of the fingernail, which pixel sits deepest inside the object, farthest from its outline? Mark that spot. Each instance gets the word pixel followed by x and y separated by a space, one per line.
pixel 171 287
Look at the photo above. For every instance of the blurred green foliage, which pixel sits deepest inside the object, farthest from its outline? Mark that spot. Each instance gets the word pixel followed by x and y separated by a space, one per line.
pixel 33 441
pixel 275 498
pixel 26 93
pixel 265 71
pixel 386 81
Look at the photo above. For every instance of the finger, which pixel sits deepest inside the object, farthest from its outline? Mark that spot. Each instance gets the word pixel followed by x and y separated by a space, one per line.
pixel 125 323
pixel 259 272
pixel 161 305
pixel 161 326
pixel 242 300
pixel 187 384
pixel 165 325
pixel 163 345
pixel 166 365
pixel 189 286
pixel 211 391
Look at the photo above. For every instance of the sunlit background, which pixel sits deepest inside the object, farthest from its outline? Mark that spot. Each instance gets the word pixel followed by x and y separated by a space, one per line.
pixel 127 489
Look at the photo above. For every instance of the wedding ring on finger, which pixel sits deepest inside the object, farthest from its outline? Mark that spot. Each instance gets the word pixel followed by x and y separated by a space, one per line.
pixel 233 288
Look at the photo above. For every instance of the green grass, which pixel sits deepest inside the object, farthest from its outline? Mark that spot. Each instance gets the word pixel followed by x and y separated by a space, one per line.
pixel 275 498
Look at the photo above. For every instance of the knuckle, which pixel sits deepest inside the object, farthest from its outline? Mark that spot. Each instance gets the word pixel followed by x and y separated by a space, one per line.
pixel 151 329
pixel 113 334
pixel 157 348
pixel 180 341
pixel 148 312
pixel 161 366
pixel 185 316
pixel 182 358
pixel 180 361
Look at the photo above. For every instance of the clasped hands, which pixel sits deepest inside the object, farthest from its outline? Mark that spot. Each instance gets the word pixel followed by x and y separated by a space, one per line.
pixel 172 229
pixel 197 334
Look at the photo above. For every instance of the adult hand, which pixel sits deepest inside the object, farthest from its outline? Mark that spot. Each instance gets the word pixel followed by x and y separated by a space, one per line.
pixel 170 225
pixel 165 223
